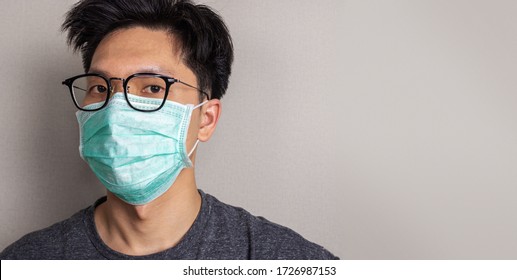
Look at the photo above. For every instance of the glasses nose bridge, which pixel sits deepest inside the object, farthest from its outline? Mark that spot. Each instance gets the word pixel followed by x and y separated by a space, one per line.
pixel 118 86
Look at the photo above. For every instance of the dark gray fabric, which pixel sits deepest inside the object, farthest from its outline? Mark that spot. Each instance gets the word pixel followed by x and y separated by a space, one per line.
pixel 220 231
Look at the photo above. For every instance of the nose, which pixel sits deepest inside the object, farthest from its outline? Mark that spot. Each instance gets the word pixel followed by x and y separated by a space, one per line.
pixel 117 85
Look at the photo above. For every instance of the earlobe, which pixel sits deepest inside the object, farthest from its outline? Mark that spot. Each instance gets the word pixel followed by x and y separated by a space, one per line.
pixel 210 116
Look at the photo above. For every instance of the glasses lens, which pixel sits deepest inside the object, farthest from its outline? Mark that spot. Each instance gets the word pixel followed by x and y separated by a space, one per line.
pixel 150 87
pixel 90 92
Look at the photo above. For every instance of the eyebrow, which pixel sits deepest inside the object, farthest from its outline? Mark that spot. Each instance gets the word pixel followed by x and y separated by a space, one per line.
pixel 147 69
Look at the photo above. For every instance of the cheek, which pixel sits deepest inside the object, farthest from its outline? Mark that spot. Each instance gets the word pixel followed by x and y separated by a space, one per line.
pixel 193 126
pixel 183 99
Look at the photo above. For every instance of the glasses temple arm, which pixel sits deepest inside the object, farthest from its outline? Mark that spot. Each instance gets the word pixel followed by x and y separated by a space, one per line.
pixel 207 96
pixel 76 87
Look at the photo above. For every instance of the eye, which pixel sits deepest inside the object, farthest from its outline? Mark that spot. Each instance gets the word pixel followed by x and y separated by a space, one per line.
pixel 98 89
pixel 101 89
pixel 153 89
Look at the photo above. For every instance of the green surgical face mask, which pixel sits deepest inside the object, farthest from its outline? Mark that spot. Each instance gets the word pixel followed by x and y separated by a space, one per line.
pixel 136 155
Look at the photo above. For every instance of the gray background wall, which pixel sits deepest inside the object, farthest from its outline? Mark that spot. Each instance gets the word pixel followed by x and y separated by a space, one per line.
pixel 378 129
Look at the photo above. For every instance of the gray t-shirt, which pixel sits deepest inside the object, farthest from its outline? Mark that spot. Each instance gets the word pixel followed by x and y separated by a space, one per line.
pixel 220 231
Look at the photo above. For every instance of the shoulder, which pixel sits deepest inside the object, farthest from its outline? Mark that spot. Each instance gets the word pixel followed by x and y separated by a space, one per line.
pixel 47 243
pixel 264 239
pixel 279 242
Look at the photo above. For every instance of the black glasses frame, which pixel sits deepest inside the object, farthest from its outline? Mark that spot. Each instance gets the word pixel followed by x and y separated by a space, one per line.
pixel 169 81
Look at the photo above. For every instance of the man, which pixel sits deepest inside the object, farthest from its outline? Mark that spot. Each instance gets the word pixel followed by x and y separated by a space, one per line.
pixel 155 74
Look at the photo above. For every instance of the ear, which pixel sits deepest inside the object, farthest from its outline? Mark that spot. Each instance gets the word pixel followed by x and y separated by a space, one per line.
pixel 210 113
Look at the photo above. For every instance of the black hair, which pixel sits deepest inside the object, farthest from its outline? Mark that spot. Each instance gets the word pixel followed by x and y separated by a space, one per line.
pixel 204 40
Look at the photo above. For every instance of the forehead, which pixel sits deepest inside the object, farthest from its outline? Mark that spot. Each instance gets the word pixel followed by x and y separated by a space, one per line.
pixel 136 49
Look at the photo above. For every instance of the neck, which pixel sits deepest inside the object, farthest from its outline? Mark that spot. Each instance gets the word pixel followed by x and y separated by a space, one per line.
pixel 153 227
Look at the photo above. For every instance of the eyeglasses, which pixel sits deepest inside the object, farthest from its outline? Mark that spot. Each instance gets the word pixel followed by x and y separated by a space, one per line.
pixel 91 92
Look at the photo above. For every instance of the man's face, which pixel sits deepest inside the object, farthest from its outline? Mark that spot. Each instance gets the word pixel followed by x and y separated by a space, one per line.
pixel 136 50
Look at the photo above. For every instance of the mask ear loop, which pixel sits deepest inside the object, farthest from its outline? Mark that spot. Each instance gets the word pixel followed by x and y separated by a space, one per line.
pixel 193 148
pixel 197 141
pixel 199 105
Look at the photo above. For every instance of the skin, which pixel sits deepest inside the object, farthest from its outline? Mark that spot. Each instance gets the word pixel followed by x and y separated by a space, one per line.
pixel 160 224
